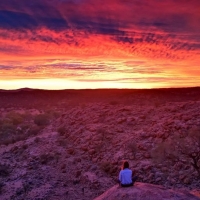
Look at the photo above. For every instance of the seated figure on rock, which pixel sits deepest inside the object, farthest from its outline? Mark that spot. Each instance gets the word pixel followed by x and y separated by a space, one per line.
pixel 126 178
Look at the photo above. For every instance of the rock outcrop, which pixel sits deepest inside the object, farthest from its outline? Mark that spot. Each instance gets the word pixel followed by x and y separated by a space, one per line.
pixel 144 191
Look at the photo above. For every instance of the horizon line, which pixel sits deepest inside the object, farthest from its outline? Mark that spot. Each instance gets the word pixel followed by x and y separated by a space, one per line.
pixel 75 89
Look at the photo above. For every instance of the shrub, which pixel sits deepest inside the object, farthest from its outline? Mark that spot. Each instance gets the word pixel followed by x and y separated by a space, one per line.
pixel 62 142
pixel 4 171
pixel 5 121
pixel 105 166
pixel 16 118
pixel 56 114
pixel 132 146
pixel 24 127
pixel 52 113
pixel 180 149
pixel 108 167
pixel 27 116
pixel 34 130
pixel 37 139
pixel 61 130
pixel 1 187
pixel 19 138
pixel 7 129
pixel 46 158
pixel 42 120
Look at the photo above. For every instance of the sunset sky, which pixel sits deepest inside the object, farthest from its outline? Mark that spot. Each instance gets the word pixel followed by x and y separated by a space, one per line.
pixel 61 44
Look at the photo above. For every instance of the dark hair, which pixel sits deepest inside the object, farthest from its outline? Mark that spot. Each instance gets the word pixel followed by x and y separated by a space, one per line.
pixel 125 165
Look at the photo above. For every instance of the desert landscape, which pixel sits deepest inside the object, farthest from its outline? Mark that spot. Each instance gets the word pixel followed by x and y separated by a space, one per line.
pixel 70 144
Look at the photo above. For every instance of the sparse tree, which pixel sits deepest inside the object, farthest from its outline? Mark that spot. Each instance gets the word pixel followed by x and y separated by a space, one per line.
pixel 180 149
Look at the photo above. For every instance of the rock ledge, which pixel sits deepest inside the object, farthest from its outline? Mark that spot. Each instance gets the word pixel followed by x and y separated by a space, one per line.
pixel 143 191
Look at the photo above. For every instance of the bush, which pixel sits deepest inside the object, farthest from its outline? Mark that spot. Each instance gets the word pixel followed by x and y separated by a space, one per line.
pixel 42 120
pixel 52 113
pixel 1 187
pixel 5 121
pixel 34 130
pixel 61 130
pixel 27 116
pixel 180 149
pixel 46 158
pixel 24 127
pixel 108 168
pixel 4 171
pixel 16 118
pixel 6 130
pixel 132 146
pixel 56 114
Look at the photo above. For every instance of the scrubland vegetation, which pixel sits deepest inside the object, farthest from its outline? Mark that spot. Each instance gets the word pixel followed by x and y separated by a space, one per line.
pixel 73 147
pixel 180 150
pixel 16 126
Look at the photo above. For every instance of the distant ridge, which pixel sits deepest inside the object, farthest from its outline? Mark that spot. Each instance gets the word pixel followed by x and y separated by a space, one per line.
pixel 101 89
pixel 18 90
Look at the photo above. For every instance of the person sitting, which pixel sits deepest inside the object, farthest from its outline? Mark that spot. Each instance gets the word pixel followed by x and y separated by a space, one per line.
pixel 125 176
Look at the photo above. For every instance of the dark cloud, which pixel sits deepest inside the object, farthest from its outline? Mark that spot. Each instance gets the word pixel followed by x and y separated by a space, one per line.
pixel 124 39
pixel 19 20
pixel 184 46
pixel 37 14
pixel 134 80
pixel 77 66
pixel 57 24
pixel 4 67
pixel 45 38
pixel 175 23
pixel 98 25
pixel 11 49
pixel 66 68
pixel 16 20
pixel 172 23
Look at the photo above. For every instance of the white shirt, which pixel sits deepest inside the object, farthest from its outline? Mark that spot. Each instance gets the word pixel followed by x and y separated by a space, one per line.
pixel 125 176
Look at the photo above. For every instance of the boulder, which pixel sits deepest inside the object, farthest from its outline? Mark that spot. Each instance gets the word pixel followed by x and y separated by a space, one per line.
pixel 143 191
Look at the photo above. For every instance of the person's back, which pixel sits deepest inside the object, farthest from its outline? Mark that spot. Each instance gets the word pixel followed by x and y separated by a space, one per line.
pixel 125 176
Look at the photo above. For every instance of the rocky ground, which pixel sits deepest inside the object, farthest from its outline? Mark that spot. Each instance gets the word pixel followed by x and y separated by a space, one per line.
pixel 75 150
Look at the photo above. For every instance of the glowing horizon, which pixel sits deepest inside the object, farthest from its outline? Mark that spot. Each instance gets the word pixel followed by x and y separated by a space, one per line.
pixel 65 44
